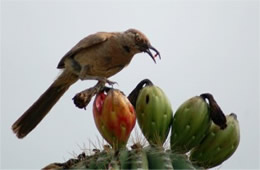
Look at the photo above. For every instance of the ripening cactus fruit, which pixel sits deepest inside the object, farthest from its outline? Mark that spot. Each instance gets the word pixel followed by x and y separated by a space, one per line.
pixel 114 117
pixel 218 145
pixel 154 114
pixel 190 125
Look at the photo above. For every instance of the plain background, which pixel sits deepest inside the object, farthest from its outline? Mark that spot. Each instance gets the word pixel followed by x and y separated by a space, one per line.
pixel 206 46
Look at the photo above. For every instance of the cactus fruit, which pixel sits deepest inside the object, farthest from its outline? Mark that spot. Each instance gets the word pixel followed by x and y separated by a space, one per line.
pixel 114 117
pixel 154 114
pixel 218 145
pixel 190 124
pixel 199 127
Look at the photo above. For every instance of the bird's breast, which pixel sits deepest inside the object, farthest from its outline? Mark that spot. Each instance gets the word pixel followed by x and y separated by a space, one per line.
pixel 105 59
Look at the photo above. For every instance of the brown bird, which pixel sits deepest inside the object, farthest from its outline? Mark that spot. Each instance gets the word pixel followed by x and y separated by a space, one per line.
pixel 96 57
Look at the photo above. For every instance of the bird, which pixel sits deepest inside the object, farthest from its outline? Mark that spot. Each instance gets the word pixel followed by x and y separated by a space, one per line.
pixel 95 57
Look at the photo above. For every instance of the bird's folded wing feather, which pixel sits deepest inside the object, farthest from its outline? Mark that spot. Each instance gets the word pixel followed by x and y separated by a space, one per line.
pixel 87 42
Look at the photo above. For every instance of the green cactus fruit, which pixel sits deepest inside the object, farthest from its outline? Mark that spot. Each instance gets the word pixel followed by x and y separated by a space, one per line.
pixel 114 117
pixel 190 124
pixel 218 145
pixel 154 114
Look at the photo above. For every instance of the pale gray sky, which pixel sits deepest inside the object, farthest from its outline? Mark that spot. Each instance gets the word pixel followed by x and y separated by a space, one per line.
pixel 206 46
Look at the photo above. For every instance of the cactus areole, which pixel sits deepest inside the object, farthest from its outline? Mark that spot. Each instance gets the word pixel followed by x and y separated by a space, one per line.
pixel 114 117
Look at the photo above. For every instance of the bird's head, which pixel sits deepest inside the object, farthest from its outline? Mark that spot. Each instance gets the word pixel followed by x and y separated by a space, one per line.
pixel 141 43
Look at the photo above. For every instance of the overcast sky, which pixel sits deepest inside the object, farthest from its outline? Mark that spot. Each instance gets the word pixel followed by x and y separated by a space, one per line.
pixel 206 46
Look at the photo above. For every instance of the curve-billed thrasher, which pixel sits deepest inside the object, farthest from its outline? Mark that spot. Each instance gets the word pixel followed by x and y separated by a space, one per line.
pixel 98 56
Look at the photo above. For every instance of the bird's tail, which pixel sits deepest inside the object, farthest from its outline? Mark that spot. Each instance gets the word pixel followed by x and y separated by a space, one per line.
pixel 32 117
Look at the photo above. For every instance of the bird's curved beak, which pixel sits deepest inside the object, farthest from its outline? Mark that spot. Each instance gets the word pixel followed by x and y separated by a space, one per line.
pixel 157 53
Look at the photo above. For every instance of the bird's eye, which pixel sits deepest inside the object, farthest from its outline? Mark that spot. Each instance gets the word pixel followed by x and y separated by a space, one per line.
pixel 137 38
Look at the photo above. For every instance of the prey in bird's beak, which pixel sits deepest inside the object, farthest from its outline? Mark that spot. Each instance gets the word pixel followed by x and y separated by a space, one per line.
pixel 148 51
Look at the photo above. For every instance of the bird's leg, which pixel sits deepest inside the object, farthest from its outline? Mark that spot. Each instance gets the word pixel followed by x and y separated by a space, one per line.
pixel 105 80
pixel 100 79
pixel 82 99
pixel 83 75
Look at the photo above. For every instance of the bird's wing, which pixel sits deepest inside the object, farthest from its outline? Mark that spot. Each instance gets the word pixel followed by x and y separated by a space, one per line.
pixel 87 42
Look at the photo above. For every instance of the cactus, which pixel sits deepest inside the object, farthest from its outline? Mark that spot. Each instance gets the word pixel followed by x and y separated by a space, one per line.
pixel 218 145
pixel 199 127
pixel 154 113
pixel 158 158
pixel 114 117
pixel 190 124
pixel 138 157
pixel 181 161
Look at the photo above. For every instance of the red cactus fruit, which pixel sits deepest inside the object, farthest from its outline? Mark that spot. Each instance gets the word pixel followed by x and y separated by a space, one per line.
pixel 114 117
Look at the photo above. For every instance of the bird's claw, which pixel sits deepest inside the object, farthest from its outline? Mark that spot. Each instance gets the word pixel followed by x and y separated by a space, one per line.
pixel 111 83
